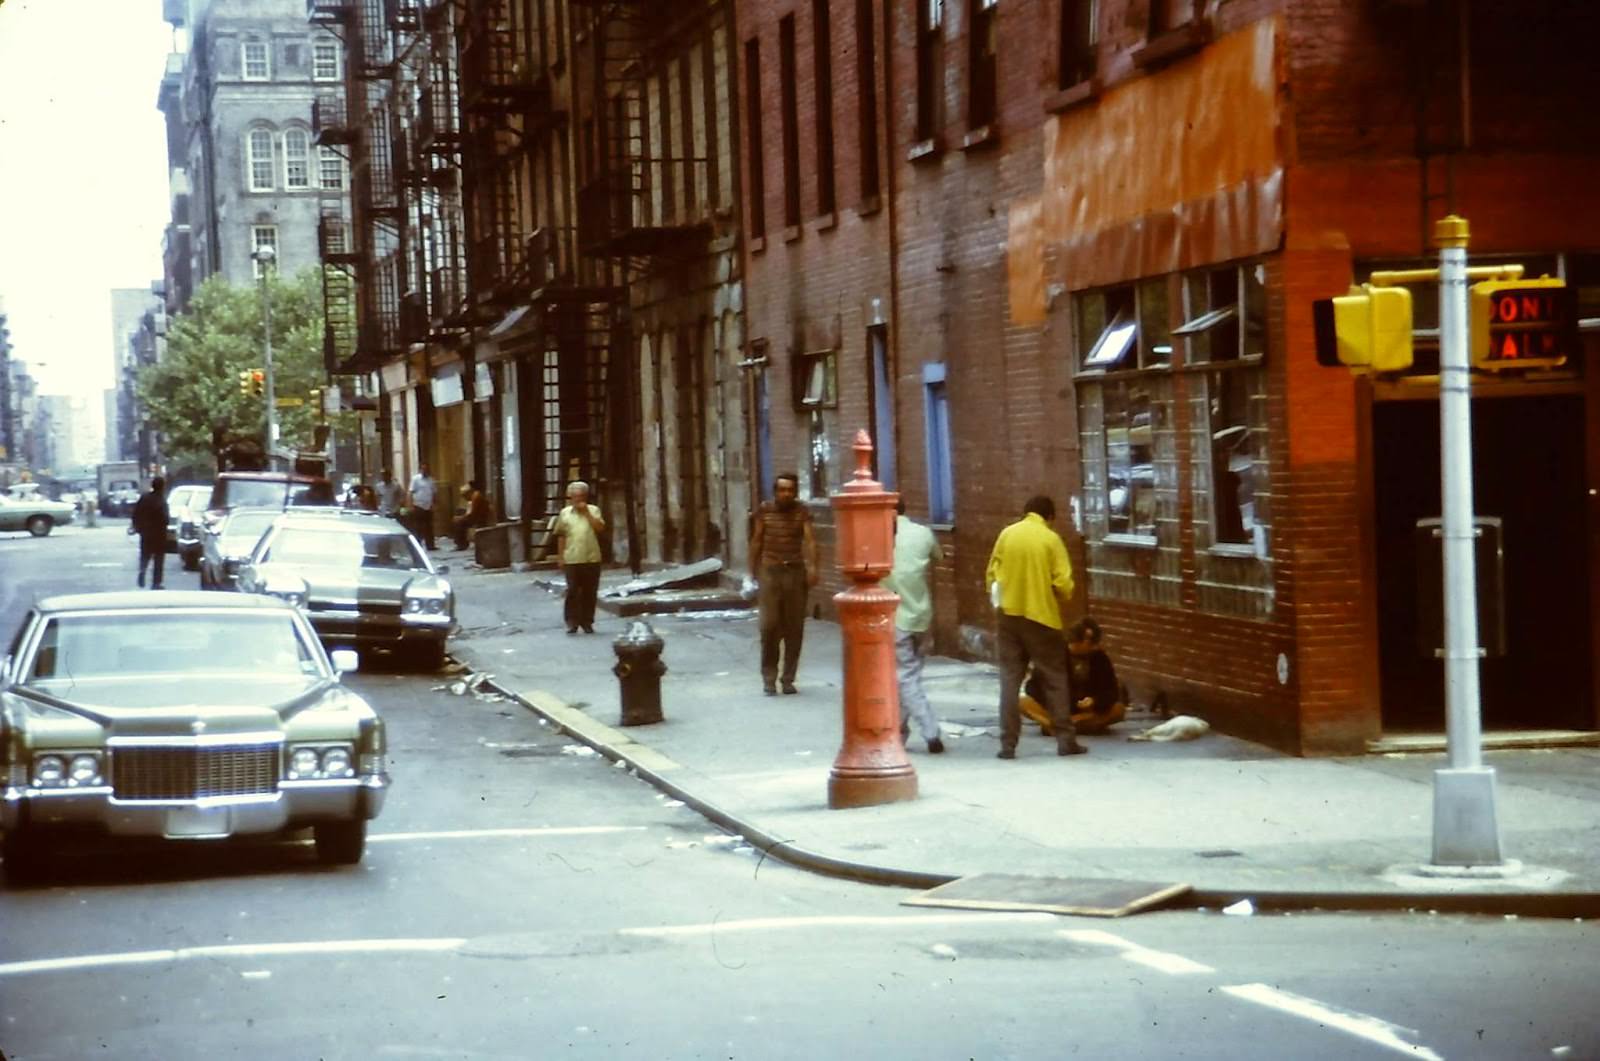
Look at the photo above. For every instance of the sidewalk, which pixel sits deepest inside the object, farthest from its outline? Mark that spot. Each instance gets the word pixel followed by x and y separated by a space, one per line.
pixel 1233 819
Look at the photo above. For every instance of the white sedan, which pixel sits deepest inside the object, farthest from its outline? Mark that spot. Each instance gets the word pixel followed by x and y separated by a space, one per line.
pixel 35 514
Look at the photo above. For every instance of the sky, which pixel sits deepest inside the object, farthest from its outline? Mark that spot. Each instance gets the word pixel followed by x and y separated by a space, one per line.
pixel 83 177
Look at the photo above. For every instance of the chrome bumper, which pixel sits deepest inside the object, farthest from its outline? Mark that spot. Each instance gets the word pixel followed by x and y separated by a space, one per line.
pixel 295 803
pixel 378 629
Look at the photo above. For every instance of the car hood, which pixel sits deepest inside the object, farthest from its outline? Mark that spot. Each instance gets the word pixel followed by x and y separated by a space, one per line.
pixel 145 706
pixel 358 584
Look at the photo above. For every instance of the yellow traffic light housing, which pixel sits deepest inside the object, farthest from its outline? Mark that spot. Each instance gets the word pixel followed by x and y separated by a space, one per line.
pixel 244 382
pixel 1522 324
pixel 1368 329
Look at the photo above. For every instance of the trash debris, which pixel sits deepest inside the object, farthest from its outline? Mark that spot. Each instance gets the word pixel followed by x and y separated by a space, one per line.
pixel 682 845
pixel 956 730
pixel 673 803
pixel 620 764
pixel 749 587
pixel 944 950
pixel 583 751
pixel 1242 908
pixel 698 573
pixel 1178 727
pixel 470 684
pixel 721 840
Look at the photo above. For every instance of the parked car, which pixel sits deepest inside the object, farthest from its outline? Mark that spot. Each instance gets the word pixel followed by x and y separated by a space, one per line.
pixel 226 544
pixel 276 490
pixel 186 506
pixel 34 513
pixel 182 716
pixel 362 579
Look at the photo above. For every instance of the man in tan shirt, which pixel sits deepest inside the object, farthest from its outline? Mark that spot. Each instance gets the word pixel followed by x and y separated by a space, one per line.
pixel 577 530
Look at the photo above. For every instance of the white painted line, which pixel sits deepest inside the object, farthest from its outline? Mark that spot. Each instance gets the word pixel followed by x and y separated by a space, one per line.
pixel 484 834
pixel 760 924
pixel 232 950
pixel 1160 960
pixel 99 564
pixel 1361 1025
pixel 257 974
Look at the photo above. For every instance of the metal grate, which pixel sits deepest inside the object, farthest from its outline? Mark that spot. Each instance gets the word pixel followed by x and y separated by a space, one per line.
pixel 195 773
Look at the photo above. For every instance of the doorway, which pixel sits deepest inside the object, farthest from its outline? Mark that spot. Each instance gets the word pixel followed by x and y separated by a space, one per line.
pixel 1528 470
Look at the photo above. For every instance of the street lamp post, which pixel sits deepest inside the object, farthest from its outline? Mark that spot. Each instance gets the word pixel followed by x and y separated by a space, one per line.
pixel 264 257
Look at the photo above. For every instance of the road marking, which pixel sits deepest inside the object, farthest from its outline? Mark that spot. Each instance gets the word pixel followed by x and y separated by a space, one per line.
pixel 1361 1025
pixel 100 564
pixel 481 834
pixel 1160 960
pixel 759 924
pixel 231 950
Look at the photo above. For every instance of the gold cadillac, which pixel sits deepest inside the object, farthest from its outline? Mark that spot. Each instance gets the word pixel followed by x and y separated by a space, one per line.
pixel 183 716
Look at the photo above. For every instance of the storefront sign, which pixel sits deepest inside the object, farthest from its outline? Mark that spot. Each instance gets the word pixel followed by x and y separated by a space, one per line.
pixel 447 385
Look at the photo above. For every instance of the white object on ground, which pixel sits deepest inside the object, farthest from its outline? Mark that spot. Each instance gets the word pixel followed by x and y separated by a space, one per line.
pixel 1178 727
pixel 1242 908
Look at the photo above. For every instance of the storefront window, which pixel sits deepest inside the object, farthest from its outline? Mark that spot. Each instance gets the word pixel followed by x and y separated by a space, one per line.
pixel 1130 466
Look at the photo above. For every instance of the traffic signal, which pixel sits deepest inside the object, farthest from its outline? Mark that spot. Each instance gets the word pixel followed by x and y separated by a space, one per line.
pixel 258 382
pixel 1523 323
pixel 244 382
pixel 1370 328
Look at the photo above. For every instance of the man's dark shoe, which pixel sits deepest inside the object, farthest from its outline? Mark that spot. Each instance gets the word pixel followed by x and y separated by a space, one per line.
pixel 789 689
pixel 572 629
pixel 1071 748
pixel 588 628
pixel 936 747
pixel 141 580
pixel 1006 753
pixel 769 689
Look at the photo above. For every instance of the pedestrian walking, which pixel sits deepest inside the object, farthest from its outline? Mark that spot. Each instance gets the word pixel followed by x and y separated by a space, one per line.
pixel 783 559
pixel 915 552
pixel 1030 580
pixel 577 529
pixel 422 491
pixel 389 494
pixel 150 524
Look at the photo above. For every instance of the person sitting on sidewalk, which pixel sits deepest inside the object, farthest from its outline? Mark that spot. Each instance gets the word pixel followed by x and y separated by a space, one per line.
pixel 1098 702
pixel 474 514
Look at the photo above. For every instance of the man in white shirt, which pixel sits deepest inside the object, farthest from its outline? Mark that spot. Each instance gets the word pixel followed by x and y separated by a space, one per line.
pixel 422 491
pixel 577 531
pixel 916 551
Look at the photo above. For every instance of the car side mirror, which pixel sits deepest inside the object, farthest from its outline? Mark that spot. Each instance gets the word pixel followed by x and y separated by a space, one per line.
pixel 443 569
pixel 345 660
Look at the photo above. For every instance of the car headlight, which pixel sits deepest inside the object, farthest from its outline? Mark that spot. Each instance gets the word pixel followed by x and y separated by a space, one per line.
pixel 303 762
pixel 49 771
pixel 289 590
pixel 309 761
pixel 83 770
pixel 336 763
pixel 430 605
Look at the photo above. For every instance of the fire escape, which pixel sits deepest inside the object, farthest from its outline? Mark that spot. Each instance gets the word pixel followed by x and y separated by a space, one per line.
pixel 523 263
pixel 360 230
pixel 437 166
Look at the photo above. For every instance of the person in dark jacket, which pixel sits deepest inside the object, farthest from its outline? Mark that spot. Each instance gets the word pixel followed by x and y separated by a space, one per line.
pixel 1092 689
pixel 150 524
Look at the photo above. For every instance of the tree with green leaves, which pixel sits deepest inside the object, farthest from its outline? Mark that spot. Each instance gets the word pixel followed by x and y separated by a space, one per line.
pixel 192 395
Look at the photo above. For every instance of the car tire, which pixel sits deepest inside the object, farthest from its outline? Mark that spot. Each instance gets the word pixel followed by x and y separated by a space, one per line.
pixel 39 526
pixel 340 843
pixel 24 854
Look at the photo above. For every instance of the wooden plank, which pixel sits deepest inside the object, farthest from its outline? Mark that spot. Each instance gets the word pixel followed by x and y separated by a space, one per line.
pixel 1080 896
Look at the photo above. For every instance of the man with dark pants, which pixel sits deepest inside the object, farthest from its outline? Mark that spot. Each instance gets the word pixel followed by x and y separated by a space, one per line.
pixel 422 491
pixel 577 530
pixel 783 558
pixel 150 524
pixel 1030 580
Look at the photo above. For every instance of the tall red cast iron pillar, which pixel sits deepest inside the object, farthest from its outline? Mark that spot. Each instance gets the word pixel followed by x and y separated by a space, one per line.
pixel 871 767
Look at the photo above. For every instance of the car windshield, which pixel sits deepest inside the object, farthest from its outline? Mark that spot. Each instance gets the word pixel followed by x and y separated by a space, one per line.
pixel 344 547
pixel 243 530
pixel 234 493
pixel 169 643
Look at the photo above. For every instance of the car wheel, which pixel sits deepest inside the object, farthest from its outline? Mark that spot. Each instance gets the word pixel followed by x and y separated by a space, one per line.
pixel 340 843
pixel 24 855
pixel 39 526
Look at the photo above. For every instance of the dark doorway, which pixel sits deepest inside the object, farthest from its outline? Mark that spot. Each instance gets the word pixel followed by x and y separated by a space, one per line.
pixel 1528 455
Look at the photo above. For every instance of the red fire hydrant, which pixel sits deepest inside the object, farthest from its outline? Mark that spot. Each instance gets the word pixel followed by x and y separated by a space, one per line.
pixel 871 767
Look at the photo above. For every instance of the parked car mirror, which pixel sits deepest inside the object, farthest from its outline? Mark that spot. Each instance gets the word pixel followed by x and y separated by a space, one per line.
pixel 345 660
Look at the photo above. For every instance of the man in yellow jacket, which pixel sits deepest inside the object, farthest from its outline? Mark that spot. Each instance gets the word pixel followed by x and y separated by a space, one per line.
pixel 1030 582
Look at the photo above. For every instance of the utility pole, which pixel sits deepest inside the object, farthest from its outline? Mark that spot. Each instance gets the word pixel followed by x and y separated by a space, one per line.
pixel 264 257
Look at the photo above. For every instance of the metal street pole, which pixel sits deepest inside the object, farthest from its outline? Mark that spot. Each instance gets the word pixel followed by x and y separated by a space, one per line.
pixel 1466 833
pixel 265 256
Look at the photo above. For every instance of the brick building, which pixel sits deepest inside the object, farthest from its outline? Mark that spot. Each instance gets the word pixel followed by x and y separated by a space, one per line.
pixel 1071 247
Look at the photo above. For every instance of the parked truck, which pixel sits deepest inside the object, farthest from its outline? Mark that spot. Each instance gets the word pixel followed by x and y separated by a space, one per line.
pixel 119 485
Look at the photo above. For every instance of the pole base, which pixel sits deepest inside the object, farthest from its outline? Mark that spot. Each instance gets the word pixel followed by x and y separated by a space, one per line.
pixel 854 790
pixel 1466 831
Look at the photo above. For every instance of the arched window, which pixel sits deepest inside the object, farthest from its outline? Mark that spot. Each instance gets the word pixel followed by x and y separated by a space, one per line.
pixel 258 159
pixel 296 159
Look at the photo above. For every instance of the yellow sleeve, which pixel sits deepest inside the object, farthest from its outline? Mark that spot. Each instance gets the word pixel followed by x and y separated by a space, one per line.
pixel 992 574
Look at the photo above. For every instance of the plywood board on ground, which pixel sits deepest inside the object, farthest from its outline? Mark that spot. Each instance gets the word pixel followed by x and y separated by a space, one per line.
pixel 1083 896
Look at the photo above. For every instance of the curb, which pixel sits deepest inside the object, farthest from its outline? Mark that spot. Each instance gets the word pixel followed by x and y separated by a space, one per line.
pixel 652 766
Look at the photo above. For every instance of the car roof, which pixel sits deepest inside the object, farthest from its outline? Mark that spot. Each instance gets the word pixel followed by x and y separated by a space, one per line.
pixel 354 518
pixel 269 477
pixel 167 600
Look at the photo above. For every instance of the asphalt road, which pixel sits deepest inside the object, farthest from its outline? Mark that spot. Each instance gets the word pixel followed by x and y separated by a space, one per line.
pixel 523 899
